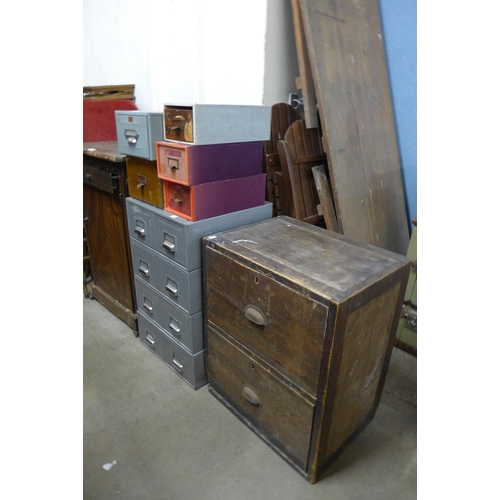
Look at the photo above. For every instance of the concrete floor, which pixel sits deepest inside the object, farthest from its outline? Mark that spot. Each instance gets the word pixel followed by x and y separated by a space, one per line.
pixel 171 442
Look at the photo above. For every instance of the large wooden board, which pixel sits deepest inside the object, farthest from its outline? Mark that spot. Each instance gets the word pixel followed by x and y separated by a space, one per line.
pixel 346 49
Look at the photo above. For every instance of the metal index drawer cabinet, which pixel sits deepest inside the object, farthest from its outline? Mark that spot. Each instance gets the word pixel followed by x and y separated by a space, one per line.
pixel 167 265
pixel 300 325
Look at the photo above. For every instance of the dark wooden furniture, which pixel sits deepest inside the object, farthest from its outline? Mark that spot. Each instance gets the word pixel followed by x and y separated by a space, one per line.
pixel 105 219
pixel 300 325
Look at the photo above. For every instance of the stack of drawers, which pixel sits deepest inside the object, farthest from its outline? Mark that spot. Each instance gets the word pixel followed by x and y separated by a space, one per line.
pixel 137 133
pixel 167 265
pixel 211 160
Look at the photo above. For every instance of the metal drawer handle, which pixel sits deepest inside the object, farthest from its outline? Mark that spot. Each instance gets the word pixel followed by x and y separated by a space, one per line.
pixel 174 327
pixel 169 245
pixel 150 339
pixel 140 230
pixel 250 395
pixel 178 365
pixel 172 289
pixel 144 270
pixel 132 136
pixel 255 315
pixel 173 166
pixel 148 307
pixel 142 181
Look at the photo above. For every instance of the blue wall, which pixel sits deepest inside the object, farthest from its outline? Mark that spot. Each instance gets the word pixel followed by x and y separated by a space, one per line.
pixel 399 23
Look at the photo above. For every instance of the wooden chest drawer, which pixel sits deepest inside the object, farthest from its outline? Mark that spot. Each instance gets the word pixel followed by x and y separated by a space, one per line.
pixel 137 133
pixel 143 181
pixel 216 123
pixel 204 201
pixel 267 317
pixel 190 165
pixel 267 402
pixel 317 311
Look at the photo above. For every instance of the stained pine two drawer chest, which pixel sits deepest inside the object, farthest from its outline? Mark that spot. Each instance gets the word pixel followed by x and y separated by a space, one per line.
pixel 300 325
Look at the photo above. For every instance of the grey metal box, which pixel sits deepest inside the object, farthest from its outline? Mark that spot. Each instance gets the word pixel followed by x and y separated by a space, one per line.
pixel 179 286
pixel 180 240
pixel 144 263
pixel 151 335
pixel 191 367
pixel 137 133
pixel 219 123
pixel 148 300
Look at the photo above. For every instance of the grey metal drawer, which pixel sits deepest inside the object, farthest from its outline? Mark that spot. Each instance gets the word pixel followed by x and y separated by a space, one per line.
pixel 179 286
pixel 151 335
pixel 144 263
pixel 140 223
pixel 191 367
pixel 184 328
pixel 137 133
pixel 148 300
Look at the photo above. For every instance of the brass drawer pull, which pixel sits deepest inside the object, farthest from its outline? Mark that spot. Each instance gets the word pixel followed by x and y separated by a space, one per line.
pixel 150 339
pixel 250 395
pixel 255 315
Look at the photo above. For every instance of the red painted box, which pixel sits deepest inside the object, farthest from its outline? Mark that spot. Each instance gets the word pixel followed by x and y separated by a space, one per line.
pixel 190 165
pixel 211 199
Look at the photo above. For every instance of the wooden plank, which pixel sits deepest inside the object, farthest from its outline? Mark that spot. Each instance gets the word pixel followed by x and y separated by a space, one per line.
pixel 325 197
pixel 304 82
pixel 346 49
pixel 109 92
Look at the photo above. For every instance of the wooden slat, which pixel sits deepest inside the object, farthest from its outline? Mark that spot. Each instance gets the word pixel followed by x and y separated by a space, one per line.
pixel 109 92
pixel 325 197
pixel 304 82
pixel 299 152
pixel 346 50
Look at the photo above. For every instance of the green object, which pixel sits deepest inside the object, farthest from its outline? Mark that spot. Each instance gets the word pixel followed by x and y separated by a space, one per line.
pixel 406 336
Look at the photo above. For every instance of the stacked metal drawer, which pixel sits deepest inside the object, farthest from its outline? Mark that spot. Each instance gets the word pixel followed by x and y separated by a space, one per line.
pixel 167 264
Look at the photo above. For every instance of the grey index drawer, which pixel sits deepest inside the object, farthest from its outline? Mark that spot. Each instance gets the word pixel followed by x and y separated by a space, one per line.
pixel 140 222
pixel 144 263
pixel 151 335
pixel 137 133
pixel 148 300
pixel 179 286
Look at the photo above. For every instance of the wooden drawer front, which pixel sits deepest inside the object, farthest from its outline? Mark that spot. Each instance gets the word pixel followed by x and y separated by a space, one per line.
pixel 140 224
pixel 150 334
pixel 179 286
pixel 191 367
pixel 211 199
pixel 143 181
pixel 178 123
pixel 144 263
pixel 292 333
pixel 100 179
pixel 148 300
pixel 191 165
pixel 184 328
pixel 276 411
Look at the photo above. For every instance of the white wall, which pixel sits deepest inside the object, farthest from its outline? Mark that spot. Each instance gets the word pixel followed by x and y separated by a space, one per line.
pixel 184 51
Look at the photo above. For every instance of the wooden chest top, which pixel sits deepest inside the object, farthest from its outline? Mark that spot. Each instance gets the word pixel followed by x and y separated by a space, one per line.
pixel 325 263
